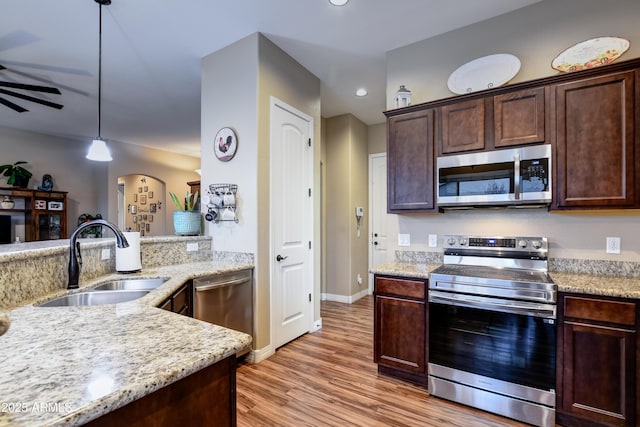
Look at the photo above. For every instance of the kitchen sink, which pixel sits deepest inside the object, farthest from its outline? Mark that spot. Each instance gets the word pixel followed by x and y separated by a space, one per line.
pixel 95 298
pixel 130 285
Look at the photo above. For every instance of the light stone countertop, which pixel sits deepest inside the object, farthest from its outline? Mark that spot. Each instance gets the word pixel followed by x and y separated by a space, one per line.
pixel 614 286
pixel 69 365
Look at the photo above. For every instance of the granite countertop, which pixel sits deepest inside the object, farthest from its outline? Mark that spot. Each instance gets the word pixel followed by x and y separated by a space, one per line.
pixel 594 284
pixel 69 365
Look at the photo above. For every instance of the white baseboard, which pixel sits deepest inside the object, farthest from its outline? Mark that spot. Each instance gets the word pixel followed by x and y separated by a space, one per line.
pixel 347 299
pixel 257 356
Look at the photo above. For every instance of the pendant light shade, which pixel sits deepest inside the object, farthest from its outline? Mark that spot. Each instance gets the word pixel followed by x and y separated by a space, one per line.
pixel 98 150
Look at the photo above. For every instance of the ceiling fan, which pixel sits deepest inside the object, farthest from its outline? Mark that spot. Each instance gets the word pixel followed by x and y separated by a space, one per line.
pixel 21 86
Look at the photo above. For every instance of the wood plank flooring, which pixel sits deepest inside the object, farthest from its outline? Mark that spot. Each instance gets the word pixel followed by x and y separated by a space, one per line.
pixel 328 378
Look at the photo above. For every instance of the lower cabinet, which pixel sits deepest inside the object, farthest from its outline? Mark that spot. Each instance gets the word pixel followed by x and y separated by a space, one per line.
pixel 596 375
pixel 204 398
pixel 400 328
pixel 180 301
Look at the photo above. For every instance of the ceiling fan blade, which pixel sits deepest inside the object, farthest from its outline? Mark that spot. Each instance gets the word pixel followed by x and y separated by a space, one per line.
pixel 32 99
pixel 46 89
pixel 11 105
pixel 2 67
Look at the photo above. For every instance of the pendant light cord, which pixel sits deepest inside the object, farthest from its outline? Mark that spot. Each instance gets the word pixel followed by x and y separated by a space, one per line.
pixel 100 71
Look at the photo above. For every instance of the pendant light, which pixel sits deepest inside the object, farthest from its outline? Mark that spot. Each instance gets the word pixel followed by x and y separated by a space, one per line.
pixel 99 150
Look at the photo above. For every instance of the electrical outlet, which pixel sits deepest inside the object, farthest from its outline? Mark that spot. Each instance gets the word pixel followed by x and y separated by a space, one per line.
pixel 404 240
pixel 613 245
pixel 359 279
pixel 192 247
pixel 106 254
pixel 433 240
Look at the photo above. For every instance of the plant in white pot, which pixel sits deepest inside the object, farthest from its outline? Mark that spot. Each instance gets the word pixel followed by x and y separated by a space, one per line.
pixel 186 220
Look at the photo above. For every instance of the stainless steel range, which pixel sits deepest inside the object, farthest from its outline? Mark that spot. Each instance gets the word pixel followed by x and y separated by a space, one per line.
pixel 492 327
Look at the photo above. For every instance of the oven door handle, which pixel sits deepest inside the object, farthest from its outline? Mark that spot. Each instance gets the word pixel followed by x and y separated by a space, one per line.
pixel 525 308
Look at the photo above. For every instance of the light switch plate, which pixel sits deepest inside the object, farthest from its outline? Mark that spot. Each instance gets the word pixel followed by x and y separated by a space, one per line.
pixel 192 247
pixel 404 239
pixel 106 253
pixel 433 240
pixel 613 245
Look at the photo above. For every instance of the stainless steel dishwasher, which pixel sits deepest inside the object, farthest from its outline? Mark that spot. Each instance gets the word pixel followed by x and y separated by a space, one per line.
pixel 226 299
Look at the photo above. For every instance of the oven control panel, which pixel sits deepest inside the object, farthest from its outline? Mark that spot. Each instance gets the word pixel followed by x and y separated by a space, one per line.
pixel 488 243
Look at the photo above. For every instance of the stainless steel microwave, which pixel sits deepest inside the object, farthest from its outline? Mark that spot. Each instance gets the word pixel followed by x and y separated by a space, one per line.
pixel 512 177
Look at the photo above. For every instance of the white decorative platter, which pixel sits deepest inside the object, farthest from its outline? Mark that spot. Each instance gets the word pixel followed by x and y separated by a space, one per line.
pixel 484 73
pixel 590 54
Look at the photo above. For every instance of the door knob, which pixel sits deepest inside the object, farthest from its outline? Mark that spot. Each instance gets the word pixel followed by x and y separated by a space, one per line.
pixel 375 243
pixel 281 258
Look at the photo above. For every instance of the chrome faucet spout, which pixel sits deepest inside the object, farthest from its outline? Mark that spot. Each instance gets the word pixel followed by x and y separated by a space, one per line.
pixel 74 248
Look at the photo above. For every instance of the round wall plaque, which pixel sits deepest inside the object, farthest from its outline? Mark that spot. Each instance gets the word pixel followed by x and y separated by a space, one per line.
pixel 225 144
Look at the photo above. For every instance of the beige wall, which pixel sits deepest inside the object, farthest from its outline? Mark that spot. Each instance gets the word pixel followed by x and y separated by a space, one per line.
pixel 237 83
pixel 346 187
pixel 536 35
pixel 378 138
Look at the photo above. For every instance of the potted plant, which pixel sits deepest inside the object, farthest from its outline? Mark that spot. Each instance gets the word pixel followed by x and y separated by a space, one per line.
pixel 186 221
pixel 18 176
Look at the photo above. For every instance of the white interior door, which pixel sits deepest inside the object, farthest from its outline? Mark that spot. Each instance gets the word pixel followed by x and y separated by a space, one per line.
pixel 291 222
pixel 377 212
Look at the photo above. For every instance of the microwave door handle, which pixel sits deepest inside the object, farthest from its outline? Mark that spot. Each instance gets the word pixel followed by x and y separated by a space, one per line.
pixel 516 175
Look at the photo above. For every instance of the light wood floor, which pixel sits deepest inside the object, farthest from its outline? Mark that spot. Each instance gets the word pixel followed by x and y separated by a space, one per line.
pixel 328 378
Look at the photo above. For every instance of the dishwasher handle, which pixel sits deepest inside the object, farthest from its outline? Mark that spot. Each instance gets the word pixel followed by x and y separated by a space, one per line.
pixel 208 287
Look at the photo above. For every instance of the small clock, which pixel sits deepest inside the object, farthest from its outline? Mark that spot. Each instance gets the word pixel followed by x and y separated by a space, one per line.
pixel 226 144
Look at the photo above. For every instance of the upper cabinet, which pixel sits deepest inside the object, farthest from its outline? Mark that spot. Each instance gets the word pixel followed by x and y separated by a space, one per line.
pixel 462 127
pixel 519 118
pixel 596 143
pixel 410 162
pixel 589 117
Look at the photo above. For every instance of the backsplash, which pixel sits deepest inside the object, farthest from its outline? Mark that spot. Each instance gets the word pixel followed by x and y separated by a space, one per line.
pixel 31 270
pixel 628 269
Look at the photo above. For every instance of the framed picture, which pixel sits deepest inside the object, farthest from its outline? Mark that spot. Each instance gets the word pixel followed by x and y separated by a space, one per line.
pixel 150 194
pixel 139 189
pixel 135 219
pixel 143 199
pixel 153 207
pixel 41 204
pixel 144 217
pixel 146 188
pixel 148 227
pixel 133 209
pixel 150 218
pixel 56 206
pixel 135 197
pixel 138 227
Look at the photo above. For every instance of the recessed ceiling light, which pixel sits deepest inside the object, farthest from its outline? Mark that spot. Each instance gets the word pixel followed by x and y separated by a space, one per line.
pixel 361 92
pixel 338 2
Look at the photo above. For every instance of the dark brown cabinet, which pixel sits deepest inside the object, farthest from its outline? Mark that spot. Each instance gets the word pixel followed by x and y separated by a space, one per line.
pixel 519 118
pixel 400 328
pixel 410 162
pixel 597 148
pixel 462 126
pixel 180 301
pixel 44 212
pixel 596 373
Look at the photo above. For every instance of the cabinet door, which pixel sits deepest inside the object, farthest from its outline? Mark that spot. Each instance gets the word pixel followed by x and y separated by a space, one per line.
pixel 463 127
pixel 400 334
pixel 519 118
pixel 599 371
pixel 597 356
pixel 595 164
pixel 410 167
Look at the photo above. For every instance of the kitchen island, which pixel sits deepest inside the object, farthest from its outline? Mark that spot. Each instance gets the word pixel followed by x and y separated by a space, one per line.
pixel 71 365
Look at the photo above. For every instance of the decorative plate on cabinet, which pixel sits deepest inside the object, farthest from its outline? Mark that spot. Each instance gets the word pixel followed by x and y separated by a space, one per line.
pixel 590 54
pixel 484 73
pixel 225 144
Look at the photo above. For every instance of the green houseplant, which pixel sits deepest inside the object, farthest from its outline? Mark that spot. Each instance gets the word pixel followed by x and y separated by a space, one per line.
pixel 186 220
pixel 18 176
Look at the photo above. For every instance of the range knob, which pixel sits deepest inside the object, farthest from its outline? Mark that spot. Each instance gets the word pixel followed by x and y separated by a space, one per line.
pixel 463 242
pixel 451 241
pixel 522 243
pixel 537 244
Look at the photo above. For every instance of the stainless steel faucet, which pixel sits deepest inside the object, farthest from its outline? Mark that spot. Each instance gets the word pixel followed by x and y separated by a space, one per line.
pixel 74 248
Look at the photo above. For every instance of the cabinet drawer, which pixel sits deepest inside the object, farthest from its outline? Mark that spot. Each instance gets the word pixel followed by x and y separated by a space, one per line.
pixel 401 287
pixel 620 312
pixel 181 300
